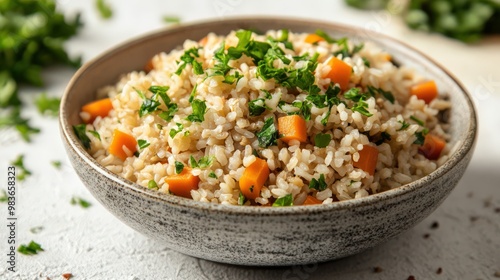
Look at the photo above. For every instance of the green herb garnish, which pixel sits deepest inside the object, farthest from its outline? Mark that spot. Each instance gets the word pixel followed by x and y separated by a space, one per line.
pixel 212 175
pixel 366 62
pixel 104 9
pixel 325 36
pixel 36 230
pixel 404 125
pixel 318 184
pixel 199 110
pixel 174 131
pixel 322 140
pixel 268 135
pixel 80 132
pixel 32 248
pixel 143 144
pixel 56 163
pixel 417 120
pixel 95 134
pixel 286 200
pixel 14 119
pixel 203 162
pixel 360 104
pixel 256 107
pixel 80 201
pixel 421 136
pixel 387 94
pixel 152 185
pixel 189 57
pixel 172 19
pixel 19 163
pixel 241 199
pixel 47 105
pixel 179 166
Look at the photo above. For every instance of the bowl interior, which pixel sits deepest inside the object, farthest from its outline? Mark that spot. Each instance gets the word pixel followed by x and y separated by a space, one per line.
pixel 132 55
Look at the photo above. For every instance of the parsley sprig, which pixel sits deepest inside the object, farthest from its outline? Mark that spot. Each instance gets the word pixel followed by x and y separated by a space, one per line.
pixel 189 57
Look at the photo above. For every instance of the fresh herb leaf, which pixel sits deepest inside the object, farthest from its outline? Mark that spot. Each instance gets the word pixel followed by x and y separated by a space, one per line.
pixel 267 94
pixel 148 106
pixel 360 105
pixel 14 119
pixel 152 185
pixel 404 125
pixel 282 39
pixel 357 48
pixel 384 136
pixel 325 36
pixel 212 175
pixel 354 94
pixel 80 201
pixel 366 62
pixel 47 105
pixel 143 144
pixel 3 196
pixel 189 57
pixel 19 162
pixel 268 135
pixel 304 109
pixel 193 93
pixel 80 132
pixel 318 184
pixel 160 91
pixel 36 230
pixel 174 131
pixel 172 19
pixel 254 49
pixel 286 200
pixel 104 9
pixel 421 136
pixel 362 108
pixel 417 120
pixel 241 199
pixel 203 162
pixel 32 248
pixel 199 110
pixel 256 107
pixel 230 79
pixel 322 140
pixel 95 133
pixel 387 94
pixel 179 166
pixel 170 113
pixel 56 163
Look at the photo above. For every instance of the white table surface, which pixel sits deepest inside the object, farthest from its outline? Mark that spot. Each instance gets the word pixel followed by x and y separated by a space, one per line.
pixel 92 244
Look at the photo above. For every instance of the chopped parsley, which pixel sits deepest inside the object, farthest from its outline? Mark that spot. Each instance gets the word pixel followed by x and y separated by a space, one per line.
pixel 325 36
pixel 36 230
pixel 189 57
pixel 282 39
pixel 417 120
pixel 95 134
pixel 174 131
pixel 318 184
pixel 193 93
pixel 14 119
pixel 171 19
pixel 230 79
pixel 256 107
pixel 304 109
pixel 360 104
pixel 150 105
pixel 212 175
pixel 199 110
pixel 421 136
pixel 387 94
pixel 322 140
pixel 366 62
pixel 404 125
pixel 104 9
pixel 80 201
pixel 32 248
pixel 152 185
pixel 19 163
pixel 47 105
pixel 254 49
pixel 56 163
pixel 384 136
pixel 286 200
pixel 179 166
pixel 203 162
pixel 268 135
pixel 241 199
pixel 80 132
pixel 143 144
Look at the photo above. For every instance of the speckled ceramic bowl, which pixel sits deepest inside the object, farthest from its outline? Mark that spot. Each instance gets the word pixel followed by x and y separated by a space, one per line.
pixel 263 235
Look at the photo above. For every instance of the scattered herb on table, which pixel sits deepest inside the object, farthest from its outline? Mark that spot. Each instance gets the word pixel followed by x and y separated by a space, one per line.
pixel 12 118
pixel 24 172
pixel 80 201
pixel 36 230
pixel 47 105
pixel 171 19
pixel 56 163
pixel 32 248
pixel 104 9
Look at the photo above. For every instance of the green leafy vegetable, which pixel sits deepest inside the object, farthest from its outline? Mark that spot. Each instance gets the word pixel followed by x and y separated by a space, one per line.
pixel 404 125
pixel 282 39
pixel 366 62
pixel 47 105
pixel 384 136
pixel 268 135
pixel 174 131
pixel 24 172
pixel 56 163
pixel 80 132
pixel 256 107
pixel 152 185
pixel 172 19
pixel 193 93
pixel 104 9
pixel 80 201
pixel 203 162
pixel 241 199
pixel 322 140
pixel 387 94
pixel 417 120
pixel 14 119
pixel 143 144
pixel 32 248
pixel 148 106
pixel 199 110
pixel 318 184
pixel 286 200
pixel 179 166
pixel 360 104
pixel 189 57
pixel 325 36
pixel 420 136
pixel 95 134
pixel 212 175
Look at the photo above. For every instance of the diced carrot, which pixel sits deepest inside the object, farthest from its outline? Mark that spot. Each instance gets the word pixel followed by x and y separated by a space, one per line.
pixel 149 66
pixel 311 200
pixel 253 178
pixel 426 91
pixel 387 57
pixel 340 72
pixel 203 41
pixel 120 141
pixel 432 147
pixel 182 184
pixel 313 38
pixel 97 108
pixel 367 159
pixel 292 127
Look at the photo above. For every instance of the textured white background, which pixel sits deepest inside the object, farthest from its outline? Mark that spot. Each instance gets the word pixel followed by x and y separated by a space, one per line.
pixel 92 244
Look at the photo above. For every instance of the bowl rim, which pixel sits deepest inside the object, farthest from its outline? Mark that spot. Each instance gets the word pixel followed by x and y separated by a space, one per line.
pixel 466 144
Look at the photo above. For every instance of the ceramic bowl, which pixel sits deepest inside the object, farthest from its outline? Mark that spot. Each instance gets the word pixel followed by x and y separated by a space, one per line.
pixel 264 235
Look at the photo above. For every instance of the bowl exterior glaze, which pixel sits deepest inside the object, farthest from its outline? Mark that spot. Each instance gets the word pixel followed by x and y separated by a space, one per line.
pixel 264 235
